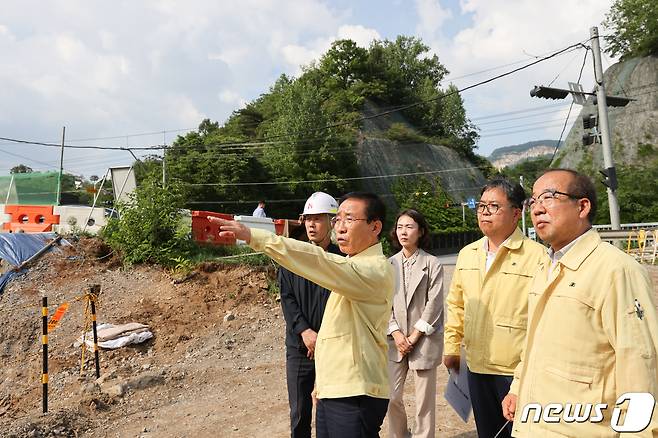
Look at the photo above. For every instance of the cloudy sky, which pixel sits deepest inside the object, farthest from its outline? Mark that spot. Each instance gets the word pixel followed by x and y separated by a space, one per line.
pixel 126 73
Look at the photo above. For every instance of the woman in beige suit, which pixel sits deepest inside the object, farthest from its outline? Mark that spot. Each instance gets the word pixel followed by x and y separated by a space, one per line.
pixel 416 326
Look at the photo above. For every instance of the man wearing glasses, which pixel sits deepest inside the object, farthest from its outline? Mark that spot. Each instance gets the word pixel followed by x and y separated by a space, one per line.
pixel 487 303
pixel 592 329
pixel 351 349
pixel 303 303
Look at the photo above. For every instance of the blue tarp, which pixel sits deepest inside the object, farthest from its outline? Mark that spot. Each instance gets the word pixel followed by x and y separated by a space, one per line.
pixel 15 248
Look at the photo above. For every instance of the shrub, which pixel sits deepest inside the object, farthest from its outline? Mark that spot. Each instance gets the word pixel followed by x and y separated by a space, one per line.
pixel 149 227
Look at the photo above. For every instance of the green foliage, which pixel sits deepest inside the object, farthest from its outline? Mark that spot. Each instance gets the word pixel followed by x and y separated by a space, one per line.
pixel 529 169
pixel 21 168
pixel 231 255
pixel 148 229
pixel 273 287
pixel 429 198
pixel 636 194
pixel 402 133
pixel 306 128
pixel 645 151
pixel 633 28
pixel 387 248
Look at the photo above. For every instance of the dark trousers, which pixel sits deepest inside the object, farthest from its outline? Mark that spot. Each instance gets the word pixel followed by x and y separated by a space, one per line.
pixel 487 394
pixel 350 417
pixel 300 374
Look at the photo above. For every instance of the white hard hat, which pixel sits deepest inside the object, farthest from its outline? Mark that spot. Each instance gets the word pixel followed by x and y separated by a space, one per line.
pixel 319 203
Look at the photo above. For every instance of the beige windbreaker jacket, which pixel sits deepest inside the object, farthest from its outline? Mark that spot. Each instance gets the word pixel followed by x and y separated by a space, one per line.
pixel 351 350
pixel 488 311
pixel 592 336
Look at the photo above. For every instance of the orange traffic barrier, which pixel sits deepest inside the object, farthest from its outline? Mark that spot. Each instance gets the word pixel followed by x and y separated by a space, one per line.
pixel 30 218
pixel 205 232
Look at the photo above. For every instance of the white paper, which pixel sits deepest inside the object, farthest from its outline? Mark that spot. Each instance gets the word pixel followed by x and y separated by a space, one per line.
pixel 457 394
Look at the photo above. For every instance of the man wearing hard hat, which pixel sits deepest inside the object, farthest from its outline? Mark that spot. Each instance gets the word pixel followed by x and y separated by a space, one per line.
pixel 303 303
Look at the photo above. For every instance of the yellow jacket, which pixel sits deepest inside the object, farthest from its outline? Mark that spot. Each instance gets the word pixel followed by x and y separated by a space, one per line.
pixel 488 311
pixel 588 341
pixel 350 353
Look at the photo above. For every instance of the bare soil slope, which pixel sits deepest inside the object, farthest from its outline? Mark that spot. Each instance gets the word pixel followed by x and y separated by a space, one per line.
pixel 215 367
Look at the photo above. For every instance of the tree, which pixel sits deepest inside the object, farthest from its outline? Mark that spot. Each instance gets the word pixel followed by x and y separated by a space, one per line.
pixel 530 170
pixel 344 62
pixel 438 207
pixel 21 168
pixel 149 228
pixel 633 27
pixel 305 150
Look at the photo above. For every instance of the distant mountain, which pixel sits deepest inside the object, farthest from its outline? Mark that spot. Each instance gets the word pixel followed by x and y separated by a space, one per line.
pixel 511 155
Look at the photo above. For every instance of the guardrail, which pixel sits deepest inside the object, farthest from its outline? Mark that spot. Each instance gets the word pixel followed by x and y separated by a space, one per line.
pixel 608 234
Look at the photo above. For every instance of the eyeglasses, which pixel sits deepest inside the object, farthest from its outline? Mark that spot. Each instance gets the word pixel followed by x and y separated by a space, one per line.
pixel 548 199
pixel 347 221
pixel 492 208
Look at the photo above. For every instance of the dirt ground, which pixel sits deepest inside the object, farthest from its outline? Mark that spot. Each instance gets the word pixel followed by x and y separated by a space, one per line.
pixel 215 367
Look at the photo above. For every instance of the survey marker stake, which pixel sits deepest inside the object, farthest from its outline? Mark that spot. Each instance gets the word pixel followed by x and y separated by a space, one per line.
pixel 94 290
pixel 44 343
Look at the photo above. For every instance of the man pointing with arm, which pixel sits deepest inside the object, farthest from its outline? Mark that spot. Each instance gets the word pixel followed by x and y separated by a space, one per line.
pixel 351 350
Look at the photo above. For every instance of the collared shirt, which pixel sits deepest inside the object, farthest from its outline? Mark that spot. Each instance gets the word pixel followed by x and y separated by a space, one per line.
pixel 487 310
pixel 491 255
pixel 259 212
pixel 555 256
pixel 407 266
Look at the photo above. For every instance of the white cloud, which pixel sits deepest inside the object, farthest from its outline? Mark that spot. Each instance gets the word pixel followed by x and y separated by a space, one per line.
pixel 501 33
pixel 431 16
pixel 361 35
pixel 298 56
pixel 127 67
pixel 232 97
pixel 122 67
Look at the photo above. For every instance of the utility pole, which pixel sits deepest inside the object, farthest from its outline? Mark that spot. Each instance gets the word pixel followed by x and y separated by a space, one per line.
pixel 164 155
pixel 605 131
pixel 61 168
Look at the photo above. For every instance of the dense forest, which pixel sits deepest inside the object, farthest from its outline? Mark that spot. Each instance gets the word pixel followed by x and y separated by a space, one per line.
pixel 300 136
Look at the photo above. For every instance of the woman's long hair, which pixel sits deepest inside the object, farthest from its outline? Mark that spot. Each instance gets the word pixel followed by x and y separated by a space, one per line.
pixel 423 229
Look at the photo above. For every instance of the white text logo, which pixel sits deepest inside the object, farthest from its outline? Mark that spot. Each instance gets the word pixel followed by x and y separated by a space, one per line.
pixel 638 412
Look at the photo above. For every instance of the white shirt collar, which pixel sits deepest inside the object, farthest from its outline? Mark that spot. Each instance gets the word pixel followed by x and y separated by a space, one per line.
pixel 557 255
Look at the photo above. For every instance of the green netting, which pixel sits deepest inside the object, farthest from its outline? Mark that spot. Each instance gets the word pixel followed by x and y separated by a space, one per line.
pixel 35 188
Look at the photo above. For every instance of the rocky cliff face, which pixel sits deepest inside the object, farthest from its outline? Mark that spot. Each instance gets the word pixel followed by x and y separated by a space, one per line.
pixel 512 155
pixel 630 127
pixel 378 155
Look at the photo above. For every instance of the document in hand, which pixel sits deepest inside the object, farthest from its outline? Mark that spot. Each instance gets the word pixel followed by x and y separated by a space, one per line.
pixel 456 393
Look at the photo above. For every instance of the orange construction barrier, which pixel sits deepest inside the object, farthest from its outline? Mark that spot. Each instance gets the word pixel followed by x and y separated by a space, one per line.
pixel 205 232
pixel 280 227
pixel 30 218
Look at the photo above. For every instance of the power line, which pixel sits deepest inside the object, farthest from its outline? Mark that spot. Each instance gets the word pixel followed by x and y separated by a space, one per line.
pixel 541 122
pixel 331 179
pixel 557 146
pixel 334 125
pixel 300 200
pixel 554 125
pixel 524 110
